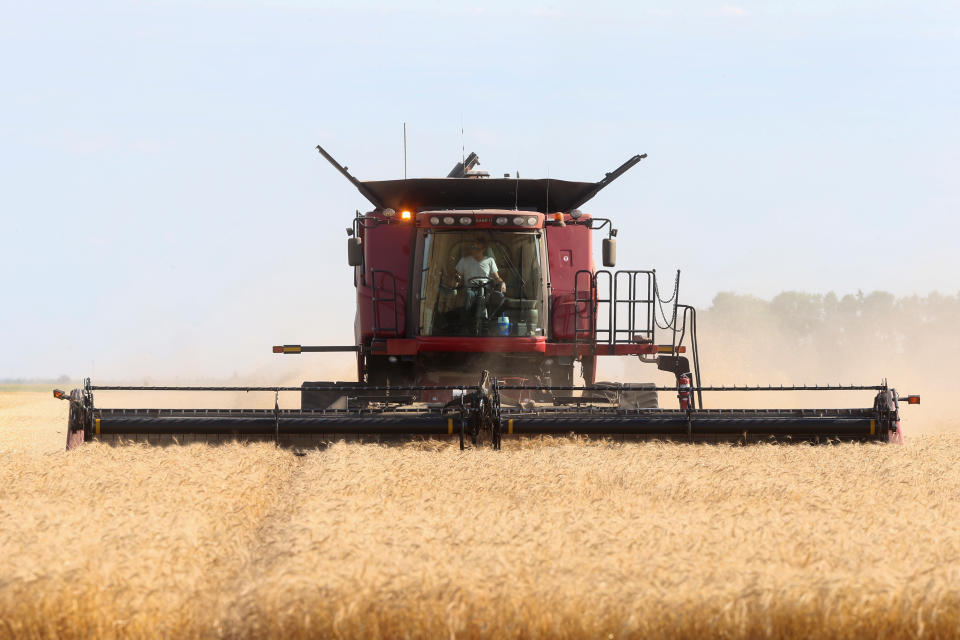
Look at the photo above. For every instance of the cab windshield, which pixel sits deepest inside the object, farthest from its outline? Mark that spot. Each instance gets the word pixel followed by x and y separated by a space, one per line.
pixel 481 283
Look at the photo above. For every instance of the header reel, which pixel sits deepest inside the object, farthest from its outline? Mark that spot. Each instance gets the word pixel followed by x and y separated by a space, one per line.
pixel 477 414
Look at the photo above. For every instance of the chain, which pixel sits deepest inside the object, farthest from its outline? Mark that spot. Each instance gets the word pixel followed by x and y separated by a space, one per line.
pixel 672 322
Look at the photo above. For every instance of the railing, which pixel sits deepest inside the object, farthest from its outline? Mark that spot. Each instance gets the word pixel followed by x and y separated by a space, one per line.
pixel 388 284
pixel 615 308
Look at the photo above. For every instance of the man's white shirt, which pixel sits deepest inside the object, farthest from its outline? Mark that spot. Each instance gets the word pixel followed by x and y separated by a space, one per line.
pixel 471 268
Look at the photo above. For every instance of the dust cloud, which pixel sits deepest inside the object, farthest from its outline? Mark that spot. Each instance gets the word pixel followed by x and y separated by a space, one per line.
pixel 802 338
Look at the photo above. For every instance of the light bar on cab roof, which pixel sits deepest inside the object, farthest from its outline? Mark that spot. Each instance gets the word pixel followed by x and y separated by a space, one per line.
pixel 521 219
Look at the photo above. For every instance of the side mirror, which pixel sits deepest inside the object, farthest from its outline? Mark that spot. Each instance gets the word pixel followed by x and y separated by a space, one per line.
pixel 355 252
pixel 609 252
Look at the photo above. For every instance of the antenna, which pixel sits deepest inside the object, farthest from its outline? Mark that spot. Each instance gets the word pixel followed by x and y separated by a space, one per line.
pixel 546 209
pixel 404 150
pixel 463 147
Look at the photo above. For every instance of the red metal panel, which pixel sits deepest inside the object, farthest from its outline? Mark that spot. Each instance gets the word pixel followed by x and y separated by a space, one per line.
pixel 386 247
pixel 566 349
pixel 536 344
pixel 569 249
pixel 402 347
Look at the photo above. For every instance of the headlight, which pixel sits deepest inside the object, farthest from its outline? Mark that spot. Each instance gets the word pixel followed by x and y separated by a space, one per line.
pixel 531 221
pixel 518 220
pixel 465 220
pixel 501 220
pixel 448 220
pixel 434 220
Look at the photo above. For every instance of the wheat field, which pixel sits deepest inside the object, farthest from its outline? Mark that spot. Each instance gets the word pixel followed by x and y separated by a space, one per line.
pixel 547 538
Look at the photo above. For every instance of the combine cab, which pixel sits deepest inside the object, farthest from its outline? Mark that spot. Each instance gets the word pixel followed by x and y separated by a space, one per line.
pixel 477 298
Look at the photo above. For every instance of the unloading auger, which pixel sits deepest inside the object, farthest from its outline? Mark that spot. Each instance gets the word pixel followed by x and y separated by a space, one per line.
pixel 476 299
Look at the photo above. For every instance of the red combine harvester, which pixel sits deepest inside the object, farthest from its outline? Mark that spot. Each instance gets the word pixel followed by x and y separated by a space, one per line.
pixel 476 299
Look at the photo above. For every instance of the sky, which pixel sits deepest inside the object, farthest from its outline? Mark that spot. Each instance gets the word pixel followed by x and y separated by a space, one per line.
pixel 163 211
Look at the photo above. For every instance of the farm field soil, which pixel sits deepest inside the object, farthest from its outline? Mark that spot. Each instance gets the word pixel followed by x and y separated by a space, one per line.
pixel 547 538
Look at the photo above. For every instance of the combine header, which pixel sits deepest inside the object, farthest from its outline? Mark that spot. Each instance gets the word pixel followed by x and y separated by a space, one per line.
pixel 476 299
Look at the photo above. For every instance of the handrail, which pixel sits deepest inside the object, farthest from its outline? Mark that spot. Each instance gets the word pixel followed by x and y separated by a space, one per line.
pixel 376 301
